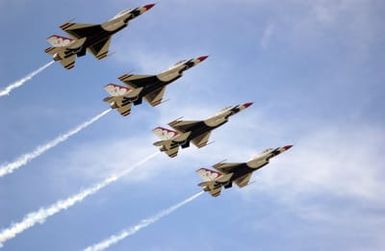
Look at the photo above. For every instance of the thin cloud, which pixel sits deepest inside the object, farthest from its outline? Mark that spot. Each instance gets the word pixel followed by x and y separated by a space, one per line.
pixel 41 215
pixel 28 157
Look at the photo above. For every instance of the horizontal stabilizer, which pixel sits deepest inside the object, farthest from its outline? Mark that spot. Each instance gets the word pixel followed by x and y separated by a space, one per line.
pixel 168 147
pixel 173 152
pixel 68 62
pixel 212 187
pixel 120 103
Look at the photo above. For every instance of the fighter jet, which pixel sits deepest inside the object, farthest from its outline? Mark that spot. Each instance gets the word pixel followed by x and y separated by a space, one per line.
pixel 240 173
pixel 149 87
pixel 94 37
pixel 195 131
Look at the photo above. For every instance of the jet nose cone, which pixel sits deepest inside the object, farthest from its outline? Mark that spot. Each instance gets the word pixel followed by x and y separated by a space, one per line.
pixel 148 6
pixel 202 58
pixel 247 104
pixel 287 147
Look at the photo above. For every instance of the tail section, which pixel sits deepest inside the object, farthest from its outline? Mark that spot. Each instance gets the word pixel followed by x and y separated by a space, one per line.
pixel 170 140
pixel 121 97
pixel 209 183
pixel 213 181
pixel 65 50
pixel 167 144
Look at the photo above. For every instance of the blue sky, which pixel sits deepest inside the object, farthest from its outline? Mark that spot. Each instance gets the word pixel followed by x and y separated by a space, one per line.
pixel 314 70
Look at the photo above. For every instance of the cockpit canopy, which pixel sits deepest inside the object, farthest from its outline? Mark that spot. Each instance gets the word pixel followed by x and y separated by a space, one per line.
pixel 123 12
pixel 224 110
pixel 267 150
pixel 178 63
pixel 262 154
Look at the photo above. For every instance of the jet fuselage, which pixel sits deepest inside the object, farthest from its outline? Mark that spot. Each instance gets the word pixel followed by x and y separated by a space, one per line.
pixel 98 33
pixel 198 130
pixel 154 83
pixel 254 164
pixel 212 123
pixel 164 78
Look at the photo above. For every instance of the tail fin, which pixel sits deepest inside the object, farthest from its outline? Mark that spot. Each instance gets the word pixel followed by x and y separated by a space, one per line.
pixel 164 133
pixel 59 41
pixel 117 90
pixel 208 175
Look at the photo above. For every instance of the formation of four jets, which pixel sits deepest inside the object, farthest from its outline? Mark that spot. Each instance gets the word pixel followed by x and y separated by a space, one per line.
pixel 96 38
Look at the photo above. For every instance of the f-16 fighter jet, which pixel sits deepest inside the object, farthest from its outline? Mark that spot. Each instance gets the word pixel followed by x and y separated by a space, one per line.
pixel 240 173
pixel 94 37
pixel 195 131
pixel 149 87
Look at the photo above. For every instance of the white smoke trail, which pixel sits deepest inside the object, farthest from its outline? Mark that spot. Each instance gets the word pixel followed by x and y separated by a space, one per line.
pixel 113 239
pixel 20 82
pixel 42 214
pixel 25 158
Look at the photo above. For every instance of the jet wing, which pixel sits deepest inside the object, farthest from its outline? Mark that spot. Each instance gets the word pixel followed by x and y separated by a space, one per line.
pixel 155 97
pixel 78 30
pixel 226 167
pixel 100 50
pixel 244 180
pixel 202 140
pixel 137 81
pixel 184 125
